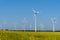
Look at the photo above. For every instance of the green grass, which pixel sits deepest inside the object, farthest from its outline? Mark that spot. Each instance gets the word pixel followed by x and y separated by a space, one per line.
pixel 13 35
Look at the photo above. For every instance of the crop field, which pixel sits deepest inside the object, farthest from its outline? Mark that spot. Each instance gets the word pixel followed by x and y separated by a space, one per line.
pixel 14 35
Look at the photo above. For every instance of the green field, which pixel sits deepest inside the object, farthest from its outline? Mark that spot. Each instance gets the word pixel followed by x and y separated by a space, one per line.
pixel 14 35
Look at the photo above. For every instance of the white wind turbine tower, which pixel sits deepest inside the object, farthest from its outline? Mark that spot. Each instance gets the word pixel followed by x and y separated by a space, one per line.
pixel 35 15
pixel 53 23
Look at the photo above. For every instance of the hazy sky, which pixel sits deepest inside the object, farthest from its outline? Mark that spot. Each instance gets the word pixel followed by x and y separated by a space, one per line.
pixel 14 11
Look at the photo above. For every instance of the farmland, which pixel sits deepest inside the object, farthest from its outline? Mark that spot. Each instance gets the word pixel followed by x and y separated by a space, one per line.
pixel 14 35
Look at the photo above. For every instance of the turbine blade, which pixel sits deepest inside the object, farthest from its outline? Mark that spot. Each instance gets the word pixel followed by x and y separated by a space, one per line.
pixel 37 11
pixel 33 10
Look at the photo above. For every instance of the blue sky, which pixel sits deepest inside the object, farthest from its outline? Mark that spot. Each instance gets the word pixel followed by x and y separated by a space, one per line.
pixel 14 11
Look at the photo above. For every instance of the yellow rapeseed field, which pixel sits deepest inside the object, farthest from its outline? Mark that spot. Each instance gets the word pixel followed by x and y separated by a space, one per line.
pixel 14 35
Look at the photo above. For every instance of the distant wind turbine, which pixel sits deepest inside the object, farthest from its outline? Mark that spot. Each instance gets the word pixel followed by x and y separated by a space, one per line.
pixel 35 15
pixel 1 26
pixel 30 26
pixel 41 26
pixel 24 23
pixel 5 25
pixel 15 25
pixel 53 23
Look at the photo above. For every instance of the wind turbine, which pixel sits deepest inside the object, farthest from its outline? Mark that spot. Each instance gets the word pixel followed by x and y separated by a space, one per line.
pixel 30 26
pixel 15 25
pixel 24 24
pixel 53 23
pixel 41 26
pixel 0 26
pixel 35 15
pixel 5 24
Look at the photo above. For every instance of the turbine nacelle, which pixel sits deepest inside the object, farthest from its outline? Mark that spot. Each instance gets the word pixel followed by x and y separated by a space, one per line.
pixel 35 12
pixel 53 20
